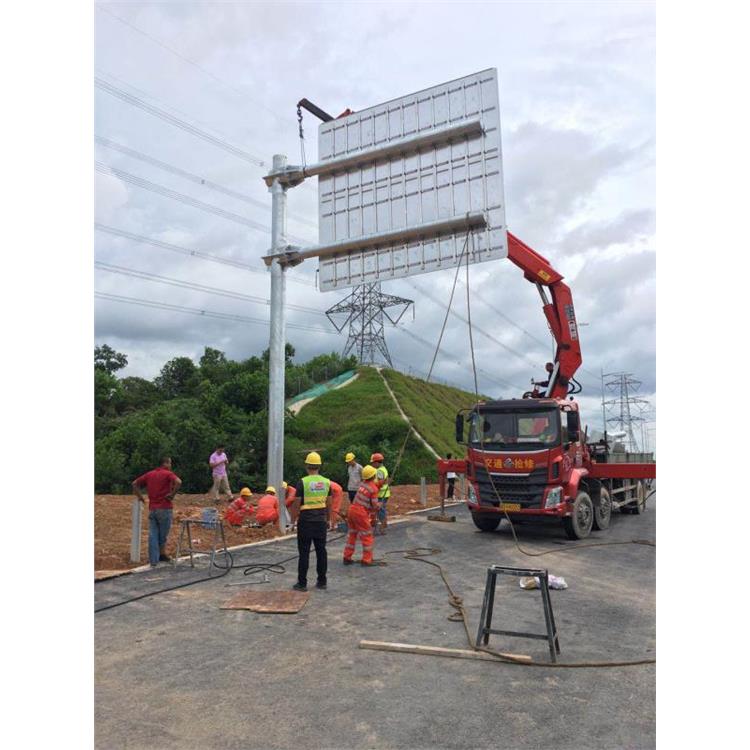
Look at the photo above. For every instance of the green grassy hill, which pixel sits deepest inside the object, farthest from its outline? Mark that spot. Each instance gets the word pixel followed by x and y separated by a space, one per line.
pixel 362 417
pixel 431 408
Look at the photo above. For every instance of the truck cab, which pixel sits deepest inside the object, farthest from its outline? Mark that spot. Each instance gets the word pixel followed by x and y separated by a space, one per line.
pixel 526 458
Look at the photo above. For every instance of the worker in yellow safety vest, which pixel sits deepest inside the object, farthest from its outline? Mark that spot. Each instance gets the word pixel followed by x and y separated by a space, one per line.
pixel 381 477
pixel 311 511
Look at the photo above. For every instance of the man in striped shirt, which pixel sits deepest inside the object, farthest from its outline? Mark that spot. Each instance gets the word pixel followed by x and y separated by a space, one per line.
pixel 358 518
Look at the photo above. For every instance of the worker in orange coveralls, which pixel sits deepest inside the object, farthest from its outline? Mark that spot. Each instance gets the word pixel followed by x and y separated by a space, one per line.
pixel 358 518
pixel 290 493
pixel 268 508
pixel 239 509
pixel 337 495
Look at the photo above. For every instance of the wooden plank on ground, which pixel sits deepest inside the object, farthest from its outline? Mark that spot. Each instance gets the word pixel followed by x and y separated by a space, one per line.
pixel 271 602
pixel 455 653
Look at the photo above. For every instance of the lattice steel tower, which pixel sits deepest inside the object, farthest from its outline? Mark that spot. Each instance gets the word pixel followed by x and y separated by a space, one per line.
pixel 624 409
pixel 365 311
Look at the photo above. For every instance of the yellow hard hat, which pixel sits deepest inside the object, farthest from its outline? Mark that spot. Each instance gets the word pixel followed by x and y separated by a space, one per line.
pixel 349 457
pixel 284 485
pixel 313 459
pixel 271 489
pixel 369 472
pixel 245 492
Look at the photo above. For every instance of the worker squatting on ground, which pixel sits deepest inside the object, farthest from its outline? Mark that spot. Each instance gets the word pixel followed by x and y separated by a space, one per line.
pixel 376 459
pixel 240 509
pixel 218 462
pixel 161 485
pixel 268 508
pixel 354 471
pixel 337 496
pixel 365 503
pixel 311 511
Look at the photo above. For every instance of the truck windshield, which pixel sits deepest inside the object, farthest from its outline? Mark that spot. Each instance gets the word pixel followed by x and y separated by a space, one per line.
pixel 508 430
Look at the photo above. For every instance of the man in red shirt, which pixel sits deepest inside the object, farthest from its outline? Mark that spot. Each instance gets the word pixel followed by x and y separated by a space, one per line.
pixel 161 485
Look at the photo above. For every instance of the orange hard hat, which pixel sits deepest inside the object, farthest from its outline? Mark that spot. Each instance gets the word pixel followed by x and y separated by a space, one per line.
pixel 376 457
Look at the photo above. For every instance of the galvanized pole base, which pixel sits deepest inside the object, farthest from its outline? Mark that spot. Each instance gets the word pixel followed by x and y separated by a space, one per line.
pixel 442 516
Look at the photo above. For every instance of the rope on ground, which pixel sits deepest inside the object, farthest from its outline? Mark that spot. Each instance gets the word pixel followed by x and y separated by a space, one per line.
pixel 456 602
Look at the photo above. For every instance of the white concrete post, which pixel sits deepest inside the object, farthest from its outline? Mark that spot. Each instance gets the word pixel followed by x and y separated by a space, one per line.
pixel 135 531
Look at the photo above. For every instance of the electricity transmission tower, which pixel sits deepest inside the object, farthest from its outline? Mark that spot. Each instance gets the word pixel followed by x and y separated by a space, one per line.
pixel 365 311
pixel 624 409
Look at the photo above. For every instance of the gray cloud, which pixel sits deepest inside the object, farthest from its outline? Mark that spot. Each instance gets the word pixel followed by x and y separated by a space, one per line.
pixel 576 89
pixel 628 228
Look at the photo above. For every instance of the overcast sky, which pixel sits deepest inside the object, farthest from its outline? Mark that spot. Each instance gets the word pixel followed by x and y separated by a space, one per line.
pixel 577 100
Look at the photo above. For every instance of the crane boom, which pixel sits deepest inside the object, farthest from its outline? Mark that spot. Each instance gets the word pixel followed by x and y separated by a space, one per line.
pixel 558 310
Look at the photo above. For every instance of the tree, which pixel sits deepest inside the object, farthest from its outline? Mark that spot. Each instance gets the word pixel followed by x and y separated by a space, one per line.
pixel 179 377
pixel 107 392
pixel 247 391
pixel 137 393
pixel 214 366
pixel 107 359
pixel 288 354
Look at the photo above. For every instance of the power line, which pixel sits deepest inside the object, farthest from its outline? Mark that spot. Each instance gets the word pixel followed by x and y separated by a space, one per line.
pixel 135 101
pixel 476 328
pixel 434 379
pixel 178 171
pixel 203 313
pixel 475 294
pixel 186 199
pixel 148 276
pixel 428 345
pixel 492 338
pixel 193 253
pixel 182 57
pixel 192 177
pixel 523 330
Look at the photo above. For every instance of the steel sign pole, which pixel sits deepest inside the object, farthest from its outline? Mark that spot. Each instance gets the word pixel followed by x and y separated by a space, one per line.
pixel 277 343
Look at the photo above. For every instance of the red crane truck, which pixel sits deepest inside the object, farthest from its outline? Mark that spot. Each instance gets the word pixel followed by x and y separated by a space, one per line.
pixel 528 457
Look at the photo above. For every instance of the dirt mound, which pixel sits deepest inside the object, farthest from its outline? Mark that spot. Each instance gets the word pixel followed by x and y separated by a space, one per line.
pixel 112 520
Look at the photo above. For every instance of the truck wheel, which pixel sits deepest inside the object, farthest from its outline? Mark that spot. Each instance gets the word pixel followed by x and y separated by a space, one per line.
pixel 640 502
pixel 578 525
pixel 485 523
pixel 628 507
pixel 603 511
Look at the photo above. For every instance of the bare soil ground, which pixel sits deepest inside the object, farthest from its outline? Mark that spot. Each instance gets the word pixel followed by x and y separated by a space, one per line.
pixel 112 521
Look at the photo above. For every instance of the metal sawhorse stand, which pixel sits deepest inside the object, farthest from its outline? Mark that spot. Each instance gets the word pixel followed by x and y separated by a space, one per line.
pixel 485 620
pixel 218 545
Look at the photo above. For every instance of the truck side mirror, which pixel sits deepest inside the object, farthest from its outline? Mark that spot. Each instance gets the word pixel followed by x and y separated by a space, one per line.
pixel 574 427
pixel 459 428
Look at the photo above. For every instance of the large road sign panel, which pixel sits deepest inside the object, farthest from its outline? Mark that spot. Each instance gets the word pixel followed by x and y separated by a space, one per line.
pixel 405 181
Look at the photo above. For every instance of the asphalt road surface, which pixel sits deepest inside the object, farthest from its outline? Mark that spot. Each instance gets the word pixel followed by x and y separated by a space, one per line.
pixel 175 671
